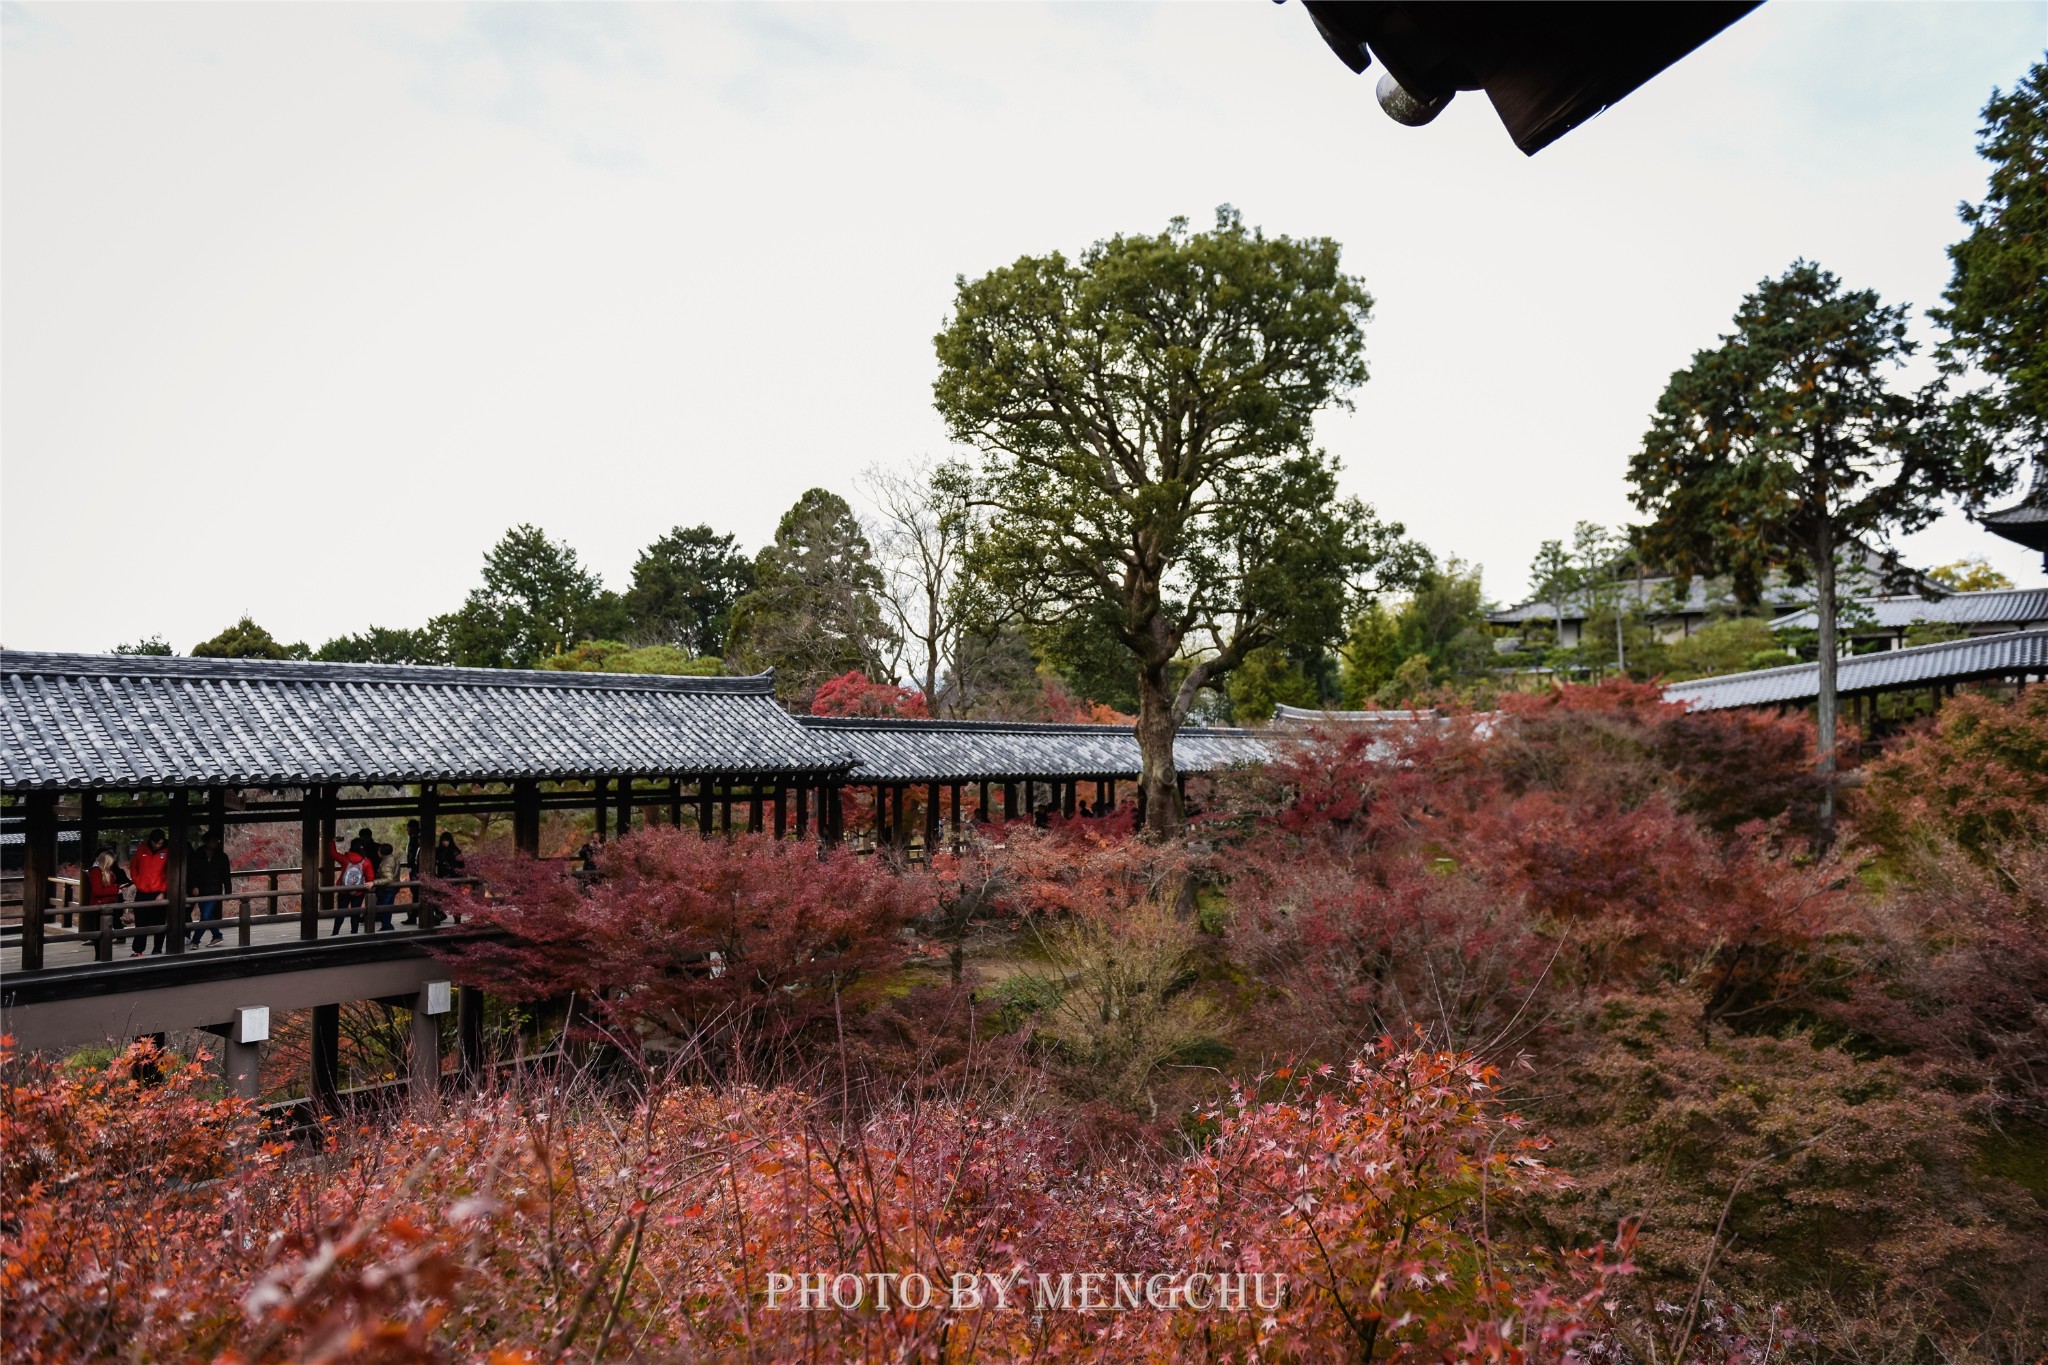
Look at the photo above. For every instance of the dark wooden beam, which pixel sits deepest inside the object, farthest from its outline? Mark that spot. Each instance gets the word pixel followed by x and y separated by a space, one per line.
pixel 526 816
pixel 39 832
pixel 176 869
pixel 781 812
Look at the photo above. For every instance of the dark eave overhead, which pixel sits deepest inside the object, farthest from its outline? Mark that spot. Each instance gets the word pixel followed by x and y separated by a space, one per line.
pixel 1547 65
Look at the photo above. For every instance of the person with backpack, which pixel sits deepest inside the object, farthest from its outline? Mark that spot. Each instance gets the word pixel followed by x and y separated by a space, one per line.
pixel 356 872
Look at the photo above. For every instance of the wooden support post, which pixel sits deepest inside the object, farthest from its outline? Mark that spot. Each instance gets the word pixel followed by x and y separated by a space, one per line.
pixel 469 1031
pixel 956 816
pixel 425 1039
pixel 803 810
pixel 625 821
pixel 38 866
pixel 981 801
pixel 430 838
pixel 833 814
pixel 1180 784
pixel 310 858
pixel 931 822
pixel 725 807
pixel 704 805
pixel 242 1067
pixel 754 806
pixel 781 812
pixel 600 791
pixel 1112 793
pixel 1101 797
pixel 1009 800
pixel 526 816
pixel 88 849
pixel 1030 799
pixel 177 868
pixel 1070 798
pixel 675 803
pixel 1141 804
pixel 217 813
pixel 325 1082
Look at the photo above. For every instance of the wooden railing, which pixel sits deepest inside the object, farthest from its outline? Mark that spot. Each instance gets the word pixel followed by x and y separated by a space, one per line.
pixel 69 920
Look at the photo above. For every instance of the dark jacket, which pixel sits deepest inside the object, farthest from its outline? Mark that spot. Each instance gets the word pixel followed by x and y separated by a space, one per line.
pixel 206 876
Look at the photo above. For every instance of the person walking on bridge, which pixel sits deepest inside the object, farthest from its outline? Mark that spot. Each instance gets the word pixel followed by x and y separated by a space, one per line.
pixel 148 870
pixel 211 876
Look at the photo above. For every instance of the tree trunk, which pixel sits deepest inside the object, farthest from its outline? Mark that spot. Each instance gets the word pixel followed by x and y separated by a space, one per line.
pixel 1158 779
pixel 1824 703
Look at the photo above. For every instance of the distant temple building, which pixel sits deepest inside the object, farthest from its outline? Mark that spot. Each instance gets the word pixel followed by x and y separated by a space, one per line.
pixel 1675 614
pixel 2026 521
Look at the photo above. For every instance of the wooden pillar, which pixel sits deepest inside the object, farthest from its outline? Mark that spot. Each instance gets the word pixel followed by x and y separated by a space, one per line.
pixel 1009 800
pixel 425 1039
pixel 310 859
pixel 430 835
pixel 931 822
pixel 881 816
pixel 1141 805
pixel 981 801
pixel 1030 799
pixel 1069 798
pixel 956 816
pixel 781 812
pixel 88 831
pixel 725 806
pixel 526 816
pixel 625 820
pixel 675 803
pixel 1101 797
pixel 704 806
pixel 754 806
pixel 325 1086
pixel 1111 784
pixel 242 1066
pixel 834 814
pixel 38 866
pixel 803 810
pixel 600 800
pixel 469 1031
pixel 176 869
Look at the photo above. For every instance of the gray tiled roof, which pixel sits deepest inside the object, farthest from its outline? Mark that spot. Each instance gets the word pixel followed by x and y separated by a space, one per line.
pixel 969 751
pixel 75 721
pixel 2018 654
pixel 2012 608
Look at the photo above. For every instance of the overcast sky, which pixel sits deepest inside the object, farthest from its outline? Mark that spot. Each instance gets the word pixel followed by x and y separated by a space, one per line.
pixel 304 305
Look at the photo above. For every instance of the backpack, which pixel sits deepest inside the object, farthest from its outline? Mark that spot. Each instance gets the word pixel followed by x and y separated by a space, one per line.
pixel 352 875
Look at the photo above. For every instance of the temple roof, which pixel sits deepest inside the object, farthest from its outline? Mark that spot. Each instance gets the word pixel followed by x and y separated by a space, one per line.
pixel 2018 654
pixel 2011 608
pixel 85 721
pixel 969 751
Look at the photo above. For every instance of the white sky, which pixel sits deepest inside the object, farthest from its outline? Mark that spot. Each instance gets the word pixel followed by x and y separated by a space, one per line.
pixel 304 305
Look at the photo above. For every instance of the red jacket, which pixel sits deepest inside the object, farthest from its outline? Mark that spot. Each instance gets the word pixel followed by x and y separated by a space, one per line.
pixel 146 870
pixel 101 888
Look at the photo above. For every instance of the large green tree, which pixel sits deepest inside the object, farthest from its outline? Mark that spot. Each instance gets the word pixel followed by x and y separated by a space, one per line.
pixel 246 640
pixel 1788 440
pixel 387 645
pixel 684 587
pixel 815 611
pixel 535 601
pixel 1145 419
pixel 1997 295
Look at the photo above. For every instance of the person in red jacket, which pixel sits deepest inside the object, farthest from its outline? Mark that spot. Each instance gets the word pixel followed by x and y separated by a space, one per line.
pixel 149 872
pixel 103 883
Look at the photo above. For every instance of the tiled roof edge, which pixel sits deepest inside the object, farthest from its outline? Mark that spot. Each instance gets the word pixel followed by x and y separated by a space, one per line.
pixel 32 663
pixel 1003 727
